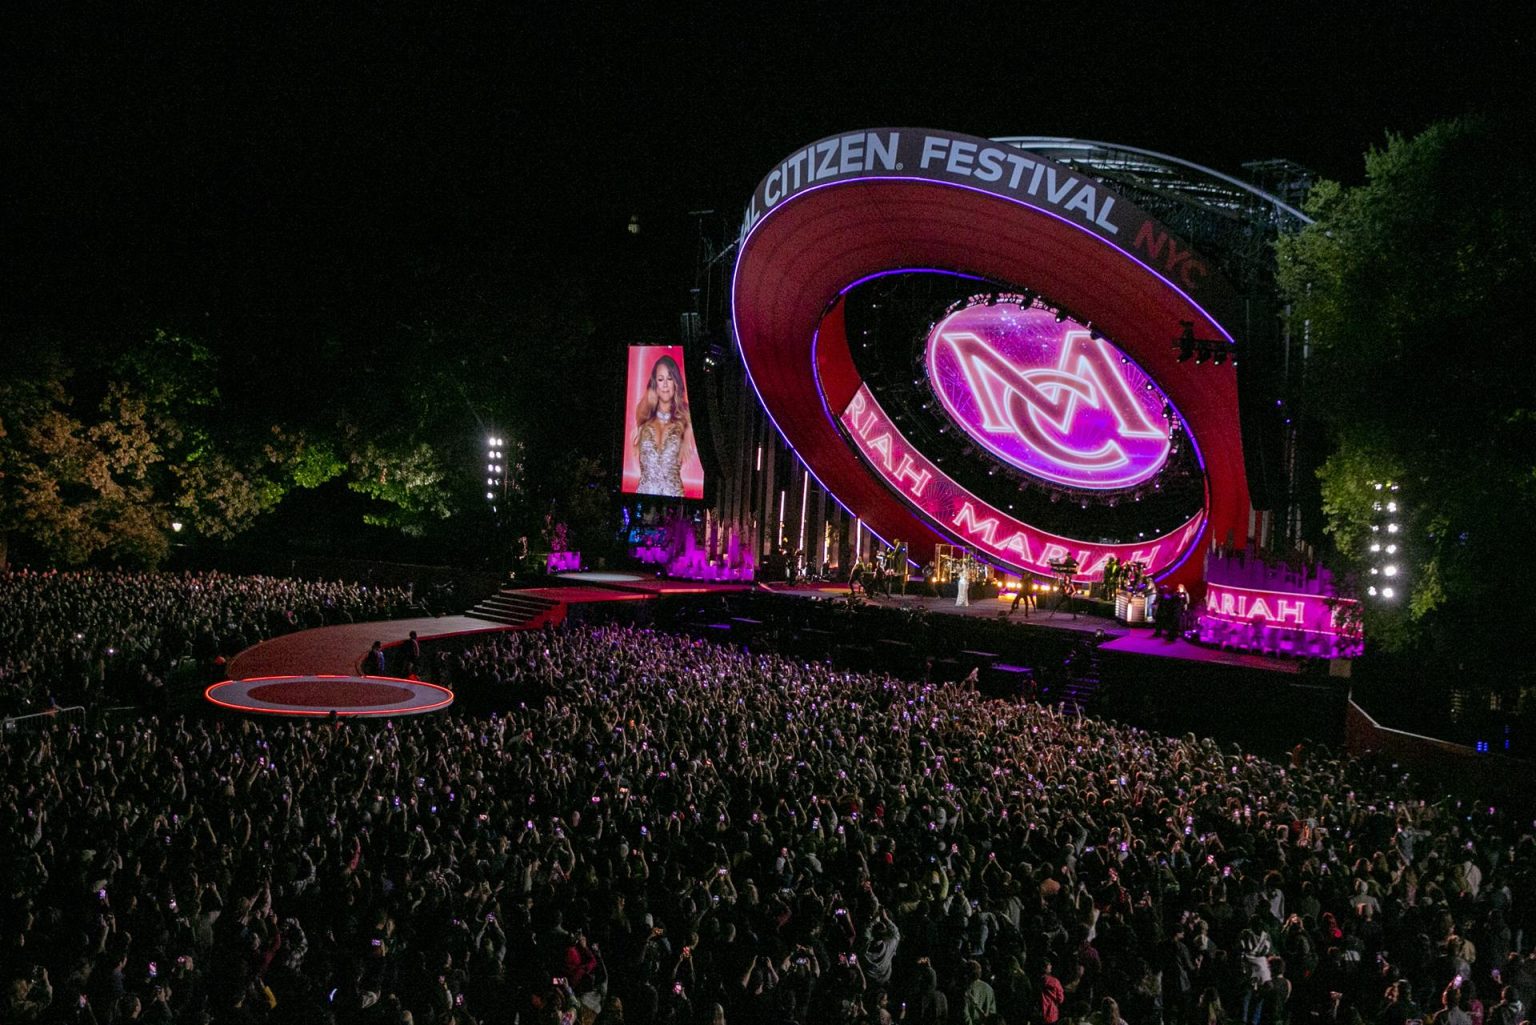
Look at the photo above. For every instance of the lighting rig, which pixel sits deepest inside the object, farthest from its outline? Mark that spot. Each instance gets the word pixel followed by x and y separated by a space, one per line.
pixel 1388 570
pixel 1217 350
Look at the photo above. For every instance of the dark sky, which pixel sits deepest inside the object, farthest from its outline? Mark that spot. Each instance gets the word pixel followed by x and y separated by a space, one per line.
pixel 395 163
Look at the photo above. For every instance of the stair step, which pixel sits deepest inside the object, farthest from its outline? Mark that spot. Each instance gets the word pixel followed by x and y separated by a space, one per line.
pixel 512 607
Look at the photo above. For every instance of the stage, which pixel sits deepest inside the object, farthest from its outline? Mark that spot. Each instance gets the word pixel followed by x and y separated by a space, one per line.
pixel 319 670
pixel 337 651
pixel 1142 643
pixel 647 585
pixel 981 608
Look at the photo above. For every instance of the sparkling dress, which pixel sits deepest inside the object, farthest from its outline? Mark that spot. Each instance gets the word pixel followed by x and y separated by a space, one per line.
pixel 661 470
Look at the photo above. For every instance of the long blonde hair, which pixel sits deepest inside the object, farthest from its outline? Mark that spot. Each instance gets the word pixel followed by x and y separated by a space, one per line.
pixel 645 412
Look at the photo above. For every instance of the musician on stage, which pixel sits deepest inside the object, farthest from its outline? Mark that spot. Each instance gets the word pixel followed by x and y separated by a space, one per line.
pixel 1025 596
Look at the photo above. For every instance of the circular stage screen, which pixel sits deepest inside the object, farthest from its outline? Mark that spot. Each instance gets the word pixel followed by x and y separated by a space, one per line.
pixel 992 422
pixel 1048 396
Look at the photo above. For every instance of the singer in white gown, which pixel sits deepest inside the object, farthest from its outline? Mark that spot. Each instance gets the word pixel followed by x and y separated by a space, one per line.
pixel 963 588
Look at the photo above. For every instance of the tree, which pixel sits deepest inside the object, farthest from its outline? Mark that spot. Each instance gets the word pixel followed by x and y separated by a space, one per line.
pixel 410 480
pixel 1414 290
pixel 77 489
pixel 584 503
pixel 109 482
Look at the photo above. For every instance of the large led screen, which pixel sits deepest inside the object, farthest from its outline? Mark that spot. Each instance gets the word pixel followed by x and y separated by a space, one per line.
pixel 1049 397
pixel 661 453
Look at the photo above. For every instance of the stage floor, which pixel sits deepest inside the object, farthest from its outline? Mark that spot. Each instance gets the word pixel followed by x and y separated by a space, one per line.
pixel 981 608
pixel 637 583
pixel 1141 642
pixel 303 660
pixel 338 650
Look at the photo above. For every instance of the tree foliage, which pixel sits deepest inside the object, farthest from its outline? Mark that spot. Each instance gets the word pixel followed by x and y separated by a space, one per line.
pixel 106 478
pixel 1414 291
pixel 71 487
pixel 108 436
pixel 411 482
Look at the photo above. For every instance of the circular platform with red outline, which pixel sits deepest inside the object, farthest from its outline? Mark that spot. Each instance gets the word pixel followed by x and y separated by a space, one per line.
pixel 322 695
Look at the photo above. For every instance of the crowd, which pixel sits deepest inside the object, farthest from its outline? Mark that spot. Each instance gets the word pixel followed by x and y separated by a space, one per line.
pixel 112 637
pixel 652 829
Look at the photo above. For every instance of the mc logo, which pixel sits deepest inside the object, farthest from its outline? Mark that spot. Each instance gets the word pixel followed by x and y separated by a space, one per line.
pixel 1047 398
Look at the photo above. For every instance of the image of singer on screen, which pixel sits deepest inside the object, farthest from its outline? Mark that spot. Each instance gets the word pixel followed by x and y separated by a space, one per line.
pixel 663 433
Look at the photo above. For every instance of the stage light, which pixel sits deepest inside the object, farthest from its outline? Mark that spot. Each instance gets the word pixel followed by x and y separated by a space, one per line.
pixel 490 494
pixel 1371 591
pixel 1219 358
pixel 1391 549
pixel 1391 528
pixel 1375 547
pixel 1061 315
pixel 176 526
pixel 1391 507
pixel 1387 592
pixel 1186 341
pixel 1389 571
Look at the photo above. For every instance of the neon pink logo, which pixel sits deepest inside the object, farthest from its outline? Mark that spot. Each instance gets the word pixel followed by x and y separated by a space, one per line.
pixel 1243 617
pixel 1049 398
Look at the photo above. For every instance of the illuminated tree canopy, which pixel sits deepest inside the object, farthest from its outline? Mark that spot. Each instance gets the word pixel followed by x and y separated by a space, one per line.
pixel 1415 291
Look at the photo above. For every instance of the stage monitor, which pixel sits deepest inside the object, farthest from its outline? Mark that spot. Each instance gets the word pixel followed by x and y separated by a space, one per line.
pixel 661 451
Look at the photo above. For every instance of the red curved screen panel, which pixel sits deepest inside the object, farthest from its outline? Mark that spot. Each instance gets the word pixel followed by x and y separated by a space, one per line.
pixel 864 203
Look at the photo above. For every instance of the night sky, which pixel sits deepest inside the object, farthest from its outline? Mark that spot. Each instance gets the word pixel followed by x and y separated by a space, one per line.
pixel 254 178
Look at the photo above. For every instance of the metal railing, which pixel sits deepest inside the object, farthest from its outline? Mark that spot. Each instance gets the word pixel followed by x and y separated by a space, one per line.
pixel 70 713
